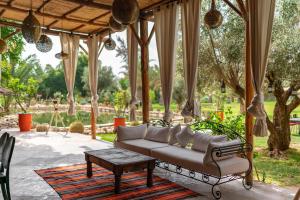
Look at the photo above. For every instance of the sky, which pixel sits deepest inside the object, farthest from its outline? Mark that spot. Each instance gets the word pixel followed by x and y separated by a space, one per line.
pixel 107 58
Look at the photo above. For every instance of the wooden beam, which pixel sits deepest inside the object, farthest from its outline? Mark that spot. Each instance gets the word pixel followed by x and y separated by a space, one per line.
pixel 72 10
pixel 43 5
pixel 249 95
pixel 242 9
pixel 83 49
pixel 11 34
pixel 52 23
pixel 136 34
pixel 78 27
pixel 157 5
pixel 2 12
pixel 144 70
pixel 91 4
pixel 10 2
pixel 100 16
pixel 151 35
pixel 233 7
pixel 51 16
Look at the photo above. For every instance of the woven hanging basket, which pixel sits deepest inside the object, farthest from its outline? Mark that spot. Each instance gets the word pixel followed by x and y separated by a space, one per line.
pixel 3 46
pixel 116 26
pixel 109 44
pixel 213 18
pixel 44 44
pixel 125 11
pixel 31 28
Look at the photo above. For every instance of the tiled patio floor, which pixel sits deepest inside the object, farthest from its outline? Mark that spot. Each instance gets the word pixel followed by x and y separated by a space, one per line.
pixel 38 151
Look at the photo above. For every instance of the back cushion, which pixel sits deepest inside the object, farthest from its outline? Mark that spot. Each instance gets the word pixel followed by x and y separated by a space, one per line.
pixel 158 134
pixel 173 131
pixel 201 141
pixel 131 133
pixel 184 137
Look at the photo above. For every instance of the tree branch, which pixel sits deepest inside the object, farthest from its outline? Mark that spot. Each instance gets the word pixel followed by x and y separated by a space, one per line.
pixel 294 104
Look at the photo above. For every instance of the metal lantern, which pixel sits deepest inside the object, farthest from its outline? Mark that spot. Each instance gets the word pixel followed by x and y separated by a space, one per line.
pixel 213 18
pixel 116 26
pixel 3 46
pixel 294 92
pixel 109 43
pixel 44 44
pixel 270 88
pixel 31 28
pixel 223 87
pixel 62 55
pixel 125 11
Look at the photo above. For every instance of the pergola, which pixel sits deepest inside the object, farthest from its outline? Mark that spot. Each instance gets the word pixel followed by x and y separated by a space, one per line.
pixel 85 18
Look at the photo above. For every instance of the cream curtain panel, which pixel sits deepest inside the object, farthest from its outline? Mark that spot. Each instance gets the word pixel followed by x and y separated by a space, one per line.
pixel 190 15
pixel 70 45
pixel 261 14
pixel 132 48
pixel 93 47
pixel 165 21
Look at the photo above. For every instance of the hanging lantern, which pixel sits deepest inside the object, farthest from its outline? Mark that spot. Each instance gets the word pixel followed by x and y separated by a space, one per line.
pixel 31 28
pixel 213 18
pixel 44 44
pixel 270 88
pixel 116 26
pixel 223 87
pixel 109 43
pixel 125 11
pixel 62 55
pixel 3 46
pixel 294 92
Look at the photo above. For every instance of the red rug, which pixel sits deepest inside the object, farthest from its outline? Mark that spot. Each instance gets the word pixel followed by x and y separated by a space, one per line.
pixel 71 182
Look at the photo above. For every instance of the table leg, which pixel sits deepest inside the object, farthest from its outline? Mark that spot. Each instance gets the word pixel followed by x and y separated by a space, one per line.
pixel 118 173
pixel 151 166
pixel 89 170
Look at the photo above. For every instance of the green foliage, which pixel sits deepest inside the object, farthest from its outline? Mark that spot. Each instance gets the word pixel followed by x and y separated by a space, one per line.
pixel 121 100
pixel 179 93
pixel 76 127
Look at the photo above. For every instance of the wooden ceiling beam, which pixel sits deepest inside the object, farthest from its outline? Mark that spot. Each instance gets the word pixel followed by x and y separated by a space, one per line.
pixel 52 23
pixel 234 8
pixel 43 5
pixel 91 4
pixel 10 2
pixel 72 10
pixel 51 16
pixel 100 16
pixel 78 27
pixel 2 12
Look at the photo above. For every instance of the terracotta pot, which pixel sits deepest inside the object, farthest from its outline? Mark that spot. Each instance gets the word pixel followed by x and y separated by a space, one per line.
pixel 221 114
pixel 25 121
pixel 119 121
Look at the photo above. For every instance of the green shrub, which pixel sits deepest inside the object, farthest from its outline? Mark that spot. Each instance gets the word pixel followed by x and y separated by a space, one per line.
pixel 76 127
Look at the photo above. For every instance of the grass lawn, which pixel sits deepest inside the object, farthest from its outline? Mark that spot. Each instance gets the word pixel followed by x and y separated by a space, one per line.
pixel 284 171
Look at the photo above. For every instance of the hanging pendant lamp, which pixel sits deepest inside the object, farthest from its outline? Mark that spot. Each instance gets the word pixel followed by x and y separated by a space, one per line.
pixel 213 18
pixel 31 28
pixel 223 87
pixel 125 11
pixel 109 43
pixel 116 26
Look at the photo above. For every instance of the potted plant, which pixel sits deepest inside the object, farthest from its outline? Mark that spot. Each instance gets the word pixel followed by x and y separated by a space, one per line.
pixel 121 99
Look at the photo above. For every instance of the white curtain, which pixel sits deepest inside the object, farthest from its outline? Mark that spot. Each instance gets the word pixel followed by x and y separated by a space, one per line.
pixel 93 46
pixel 70 45
pixel 165 21
pixel 190 15
pixel 132 48
pixel 261 14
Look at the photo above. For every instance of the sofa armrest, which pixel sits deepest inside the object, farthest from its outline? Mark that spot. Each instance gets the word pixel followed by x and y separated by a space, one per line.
pixel 230 150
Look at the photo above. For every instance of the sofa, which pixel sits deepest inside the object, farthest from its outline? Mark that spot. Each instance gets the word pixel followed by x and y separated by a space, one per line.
pixel 215 157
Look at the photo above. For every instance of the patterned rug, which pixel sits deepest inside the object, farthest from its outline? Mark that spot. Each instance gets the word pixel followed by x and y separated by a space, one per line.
pixel 71 182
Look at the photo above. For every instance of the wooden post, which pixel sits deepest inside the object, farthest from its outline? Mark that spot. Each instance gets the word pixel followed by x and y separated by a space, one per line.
pixel 144 69
pixel 249 95
pixel 93 124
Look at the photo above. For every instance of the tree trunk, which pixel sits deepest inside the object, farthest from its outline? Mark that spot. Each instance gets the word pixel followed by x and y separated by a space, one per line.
pixel 280 134
pixel 242 106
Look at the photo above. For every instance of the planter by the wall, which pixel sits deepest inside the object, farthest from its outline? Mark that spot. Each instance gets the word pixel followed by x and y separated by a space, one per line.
pixel 119 121
pixel 25 122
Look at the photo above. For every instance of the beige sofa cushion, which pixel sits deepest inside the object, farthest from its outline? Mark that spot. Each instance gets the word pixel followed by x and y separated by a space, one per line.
pixel 208 158
pixel 140 145
pixel 184 136
pixel 158 134
pixel 193 160
pixel 131 133
pixel 176 129
pixel 201 141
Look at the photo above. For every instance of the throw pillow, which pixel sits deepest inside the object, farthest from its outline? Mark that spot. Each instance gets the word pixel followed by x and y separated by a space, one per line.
pixel 158 134
pixel 201 141
pixel 208 158
pixel 173 131
pixel 131 133
pixel 184 136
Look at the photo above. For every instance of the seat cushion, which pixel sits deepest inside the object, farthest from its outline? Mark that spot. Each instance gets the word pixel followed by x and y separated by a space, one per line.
pixel 131 133
pixel 140 145
pixel 158 134
pixel 193 160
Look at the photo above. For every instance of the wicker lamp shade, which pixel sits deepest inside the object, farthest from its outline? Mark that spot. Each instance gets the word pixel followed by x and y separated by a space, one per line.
pixel 62 55
pixel 44 44
pixel 116 26
pixel 109 44
pixel 213 18
pixel 3 46
pixel 31 28
pixel 125 11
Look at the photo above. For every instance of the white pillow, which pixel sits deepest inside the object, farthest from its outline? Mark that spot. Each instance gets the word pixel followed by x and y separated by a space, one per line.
pixel 131 133
pixel 173 131
pixel 208 158
pixel 158 134
pixel 201 141
pixel 184 136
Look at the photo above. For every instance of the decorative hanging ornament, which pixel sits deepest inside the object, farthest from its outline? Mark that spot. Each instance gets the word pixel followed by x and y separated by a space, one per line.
pixel 109 43
pixel 270 88
pixel 62 55
pixel 31 28
pixel 223 87
pixel 213 18
pixel 294 92
pixel 125 11
pixel 116 26
pixel 44 44
pixel 3 46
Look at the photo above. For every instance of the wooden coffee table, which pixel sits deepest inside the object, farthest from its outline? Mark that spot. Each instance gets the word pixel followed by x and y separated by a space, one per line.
pixel 118 161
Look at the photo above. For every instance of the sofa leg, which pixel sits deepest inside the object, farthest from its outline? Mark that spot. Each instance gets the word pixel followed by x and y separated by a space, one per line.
pixel 246 185
pixel 216 192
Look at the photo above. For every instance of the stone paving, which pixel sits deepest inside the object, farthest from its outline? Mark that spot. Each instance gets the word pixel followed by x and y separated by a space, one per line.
pixel 38 151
